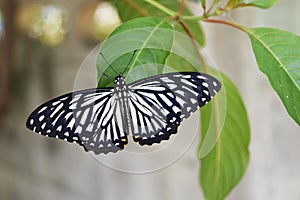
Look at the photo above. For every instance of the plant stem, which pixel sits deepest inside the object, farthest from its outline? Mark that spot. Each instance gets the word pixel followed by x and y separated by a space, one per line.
pixel 225 22
pixel 186 29
pixel 200 57
pixel 192 18
pixel 161 7
pixel 199 18
pixel 181 8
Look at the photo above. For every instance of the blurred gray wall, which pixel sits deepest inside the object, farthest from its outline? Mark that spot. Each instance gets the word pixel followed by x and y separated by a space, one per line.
pixel 34 167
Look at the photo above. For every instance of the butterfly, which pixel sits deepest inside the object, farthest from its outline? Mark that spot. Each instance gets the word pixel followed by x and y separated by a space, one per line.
pixel 100 119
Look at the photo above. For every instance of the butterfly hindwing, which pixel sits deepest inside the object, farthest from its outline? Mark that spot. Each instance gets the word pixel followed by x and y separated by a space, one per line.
pixel 154 112
pixel 81 117
pixel 169 99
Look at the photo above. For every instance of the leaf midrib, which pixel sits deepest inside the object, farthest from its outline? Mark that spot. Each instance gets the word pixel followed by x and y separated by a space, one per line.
pixel 274 55
pixel 144 44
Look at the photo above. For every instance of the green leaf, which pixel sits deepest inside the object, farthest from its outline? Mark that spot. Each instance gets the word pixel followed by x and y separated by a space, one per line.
pixel 140 8
pixel 277 54
pixel 224 166
pixel 179 63
pixel 256 3
pixel 151 37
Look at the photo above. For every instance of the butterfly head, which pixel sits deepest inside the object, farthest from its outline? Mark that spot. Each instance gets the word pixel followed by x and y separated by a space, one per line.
pixel 120 80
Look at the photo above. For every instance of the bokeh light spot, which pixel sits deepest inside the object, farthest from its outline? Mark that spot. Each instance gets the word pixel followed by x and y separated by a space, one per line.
pixel 45 23
pixel 106 19
pixel 1 26
pixel 97 20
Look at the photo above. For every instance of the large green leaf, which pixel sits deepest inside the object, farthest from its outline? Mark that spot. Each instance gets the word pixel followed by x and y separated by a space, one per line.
pixel 225 131
pixel 257 3
pixel 224 166
pixel 130 9
pixel 151 37
pixel 277 54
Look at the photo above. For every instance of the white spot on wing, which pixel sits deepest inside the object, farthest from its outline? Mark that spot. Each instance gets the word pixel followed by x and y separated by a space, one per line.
pixel 75 98
pixel 194 101
pixel 167 80
pixel 205 84
pixel 71 123
pixel 176 109
pixel 201 77
pixel 59 128
pixel 73 106
pixel 41 118
pixel 166 100
pixel 188 83
pixel 206 92
pixel 90 127
pixel 41 110
pixel 68 115
pixel 78 129
pixel 55 103
pixel 43 126
pixel 57 109
pixel 190 90
pixel 172 86
pixel 180 92
pixel 84 116
pixel 186 76
pixel 75 138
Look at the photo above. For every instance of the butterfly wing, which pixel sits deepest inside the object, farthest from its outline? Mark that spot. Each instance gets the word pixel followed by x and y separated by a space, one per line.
pixel 87 117
pixel 158 104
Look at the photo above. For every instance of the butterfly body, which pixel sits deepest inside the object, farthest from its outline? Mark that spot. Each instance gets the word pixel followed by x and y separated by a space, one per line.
pixel 149 110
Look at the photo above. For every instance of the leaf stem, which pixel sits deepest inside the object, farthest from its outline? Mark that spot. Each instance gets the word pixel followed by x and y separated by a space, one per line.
pixel 181 7
pixel 192 18
pixel 161 7
pixel 200 57
pixel 226 23
pixel 198 18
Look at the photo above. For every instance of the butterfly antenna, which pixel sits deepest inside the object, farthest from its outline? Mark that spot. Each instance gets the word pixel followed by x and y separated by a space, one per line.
pixel 129 61
pixel 108 64
pixel 107 76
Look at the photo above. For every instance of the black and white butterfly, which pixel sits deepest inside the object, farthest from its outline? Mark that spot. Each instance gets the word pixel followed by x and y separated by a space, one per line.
pixel 150 109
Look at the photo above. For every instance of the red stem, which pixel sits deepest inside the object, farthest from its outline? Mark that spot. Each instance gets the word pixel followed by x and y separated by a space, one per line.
pixel 181 7
pixel 200 57
pixel 217 21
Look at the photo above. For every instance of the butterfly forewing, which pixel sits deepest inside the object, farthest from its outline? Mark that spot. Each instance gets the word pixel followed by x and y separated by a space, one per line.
pixel 169 99
pixel 87 117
